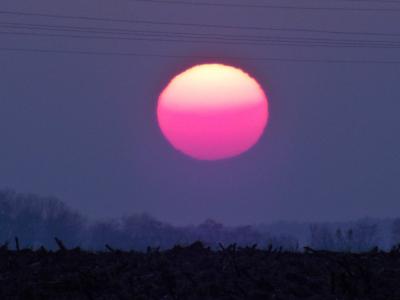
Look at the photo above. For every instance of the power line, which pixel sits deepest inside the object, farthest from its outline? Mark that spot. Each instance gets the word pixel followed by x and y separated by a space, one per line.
pixel 208 38
pixel 266 6
pixel 355 1
pixel 371 1
pixel 364 1
pixel 195 25
pixel 177 39
pixel 271 59
pixel 123 31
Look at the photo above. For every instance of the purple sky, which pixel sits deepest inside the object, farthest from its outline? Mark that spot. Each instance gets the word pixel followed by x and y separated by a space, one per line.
pixel 83 127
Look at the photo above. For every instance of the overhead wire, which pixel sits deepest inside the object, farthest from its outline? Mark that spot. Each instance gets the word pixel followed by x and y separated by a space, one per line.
pixel 92 32
pixel 270 6
pixel 272 59
pixel 354 1
pixel 193 25
pixel 124 31
pixel 181 37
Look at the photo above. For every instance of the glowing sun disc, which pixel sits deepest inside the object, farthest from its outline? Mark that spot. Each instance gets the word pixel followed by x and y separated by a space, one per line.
pixel 212 111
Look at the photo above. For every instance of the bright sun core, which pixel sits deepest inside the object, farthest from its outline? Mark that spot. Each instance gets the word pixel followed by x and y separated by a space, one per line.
pixel 212 111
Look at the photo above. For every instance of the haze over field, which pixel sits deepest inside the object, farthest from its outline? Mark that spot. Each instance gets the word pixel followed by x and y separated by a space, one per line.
pixel 83 127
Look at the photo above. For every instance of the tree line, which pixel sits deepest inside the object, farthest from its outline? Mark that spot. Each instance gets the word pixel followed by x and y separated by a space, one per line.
pixel 36 221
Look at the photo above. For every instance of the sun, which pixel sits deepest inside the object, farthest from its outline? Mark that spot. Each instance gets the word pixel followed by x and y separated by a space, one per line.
pixel 212 111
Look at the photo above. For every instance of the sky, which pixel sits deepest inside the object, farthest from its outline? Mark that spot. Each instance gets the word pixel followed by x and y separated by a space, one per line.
pixel 83 128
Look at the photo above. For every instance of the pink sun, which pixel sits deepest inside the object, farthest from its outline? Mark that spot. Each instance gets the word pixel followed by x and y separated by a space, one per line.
pixel 212 111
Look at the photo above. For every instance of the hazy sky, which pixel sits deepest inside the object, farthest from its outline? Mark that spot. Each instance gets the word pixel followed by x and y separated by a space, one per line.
pixel 83 127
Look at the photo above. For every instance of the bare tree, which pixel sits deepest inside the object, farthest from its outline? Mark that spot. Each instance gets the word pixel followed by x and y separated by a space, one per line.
pixel 396 232
pixel 321 237
pixel 365 235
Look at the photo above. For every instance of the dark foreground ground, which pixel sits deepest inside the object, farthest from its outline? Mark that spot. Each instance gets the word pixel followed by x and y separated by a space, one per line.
pixel 195 272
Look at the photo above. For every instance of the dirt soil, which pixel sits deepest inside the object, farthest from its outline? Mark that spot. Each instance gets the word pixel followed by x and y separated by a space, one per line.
pixel 196 272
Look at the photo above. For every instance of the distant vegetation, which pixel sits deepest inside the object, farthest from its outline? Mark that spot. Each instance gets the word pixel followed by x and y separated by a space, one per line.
pixel 37 220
